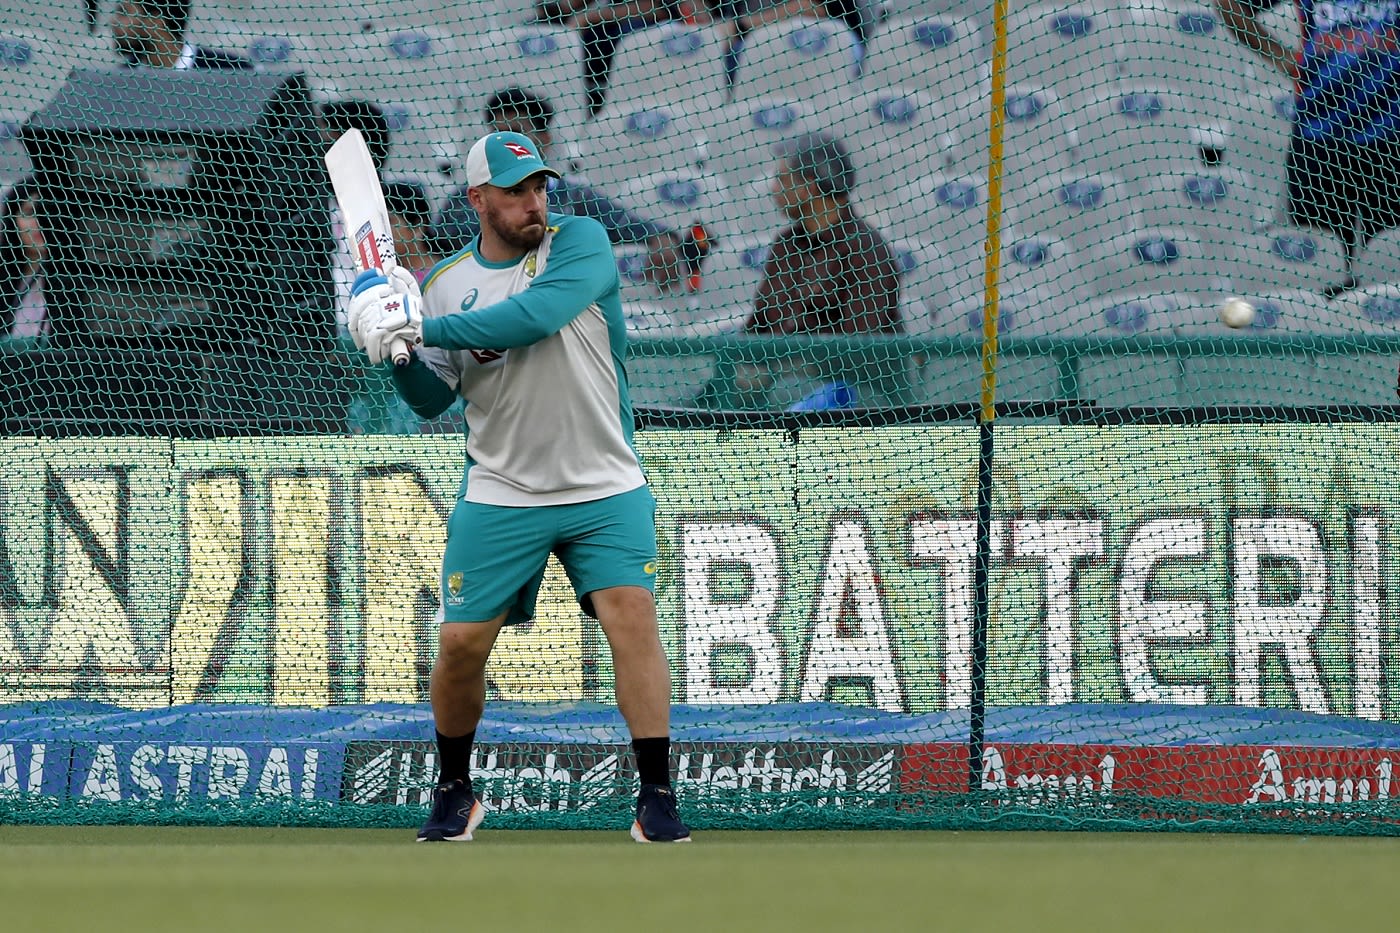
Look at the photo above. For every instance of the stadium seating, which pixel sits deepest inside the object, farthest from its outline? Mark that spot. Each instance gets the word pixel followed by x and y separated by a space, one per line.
pixel 1256 134
pixel 1070 47
pixel 667 380
pixel 412 75
pixel 33 66
pixel 545 59
pixel 1035 137
pixel 1079 208
pixel 460 17
pixel 1219 204
pixel 273 48
pixel 34 63
pixel 63 17
pixel 732 273
pixel 929 9
pixel 1371 309
pixel 1134 131
pixel 741 135
pixel 941 56
pixel 679 199
pixel 675 62
pixel 894 134
pixel 14 158
pixel 624 141
pixel 922 282
pixel 1113 223
pixel 1153 261
pixel 1041 276
pixel 1379 260
pixel 749 208
pixel 329 18
pixel 218 26
pixel 949 211
pixel 798 58
pixel 649 312
pixel 1185 46
pixel 1285 257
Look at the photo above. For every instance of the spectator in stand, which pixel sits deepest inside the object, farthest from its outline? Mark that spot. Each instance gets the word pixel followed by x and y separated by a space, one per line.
pixel 409 216
pixel 601 24
pixel 738 18
pixel 151 34
pixel 828 273
pixel 1344 159
pixel 674 258
pixel 22 255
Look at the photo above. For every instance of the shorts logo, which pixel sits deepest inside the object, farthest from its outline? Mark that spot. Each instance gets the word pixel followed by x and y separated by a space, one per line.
pixel 454 583
pixel 649 568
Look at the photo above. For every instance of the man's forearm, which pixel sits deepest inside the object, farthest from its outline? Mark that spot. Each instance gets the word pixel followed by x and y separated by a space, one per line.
pixel 1250 33
pixel 777 13
pixel 633 9
pixel 422 389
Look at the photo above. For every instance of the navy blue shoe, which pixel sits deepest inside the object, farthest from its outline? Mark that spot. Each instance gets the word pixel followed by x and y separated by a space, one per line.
pixel 456 813
pixel 657 817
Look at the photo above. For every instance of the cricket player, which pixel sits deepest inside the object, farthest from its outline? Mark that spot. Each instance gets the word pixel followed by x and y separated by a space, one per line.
pixel 526 324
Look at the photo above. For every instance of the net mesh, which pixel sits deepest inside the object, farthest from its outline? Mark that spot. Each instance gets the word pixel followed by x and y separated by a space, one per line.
pixel 1156 600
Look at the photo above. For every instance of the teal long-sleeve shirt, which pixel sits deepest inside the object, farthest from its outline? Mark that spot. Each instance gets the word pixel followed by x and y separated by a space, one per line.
pixel 580 271
pixel 536 347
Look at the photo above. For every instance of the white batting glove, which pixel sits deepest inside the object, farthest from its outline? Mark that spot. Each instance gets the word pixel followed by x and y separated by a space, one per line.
pixel 390 323
pixel 369 289
pixel 403 281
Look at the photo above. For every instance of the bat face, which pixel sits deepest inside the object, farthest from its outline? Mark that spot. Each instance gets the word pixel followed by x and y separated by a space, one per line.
pixel 363 213
pixel 361 201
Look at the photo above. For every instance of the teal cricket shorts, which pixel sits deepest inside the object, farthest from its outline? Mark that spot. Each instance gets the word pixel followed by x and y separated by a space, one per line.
pixel 496 555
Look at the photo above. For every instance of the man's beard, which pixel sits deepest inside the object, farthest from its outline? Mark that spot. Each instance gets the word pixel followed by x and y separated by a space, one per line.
pixel 524 240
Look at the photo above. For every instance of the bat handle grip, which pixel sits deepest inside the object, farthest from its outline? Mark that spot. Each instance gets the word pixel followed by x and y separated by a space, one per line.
pixel 398 351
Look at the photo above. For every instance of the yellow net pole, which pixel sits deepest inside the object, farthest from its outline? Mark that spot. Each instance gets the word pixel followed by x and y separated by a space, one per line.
pixel 992 246
pixel 981 615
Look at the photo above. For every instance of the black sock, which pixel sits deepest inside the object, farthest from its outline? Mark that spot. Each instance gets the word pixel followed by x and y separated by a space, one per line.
pixel 455 758
pixel 653 760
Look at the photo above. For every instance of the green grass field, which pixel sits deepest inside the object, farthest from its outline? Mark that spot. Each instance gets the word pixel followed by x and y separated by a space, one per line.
pixel 72 878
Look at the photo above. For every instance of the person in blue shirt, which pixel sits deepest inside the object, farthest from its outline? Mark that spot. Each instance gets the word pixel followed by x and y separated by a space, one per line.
pixel 672 255
pixel 1344 157
pixel 526 326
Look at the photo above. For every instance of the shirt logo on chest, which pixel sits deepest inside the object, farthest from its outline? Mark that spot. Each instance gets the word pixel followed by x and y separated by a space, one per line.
pixel 468 300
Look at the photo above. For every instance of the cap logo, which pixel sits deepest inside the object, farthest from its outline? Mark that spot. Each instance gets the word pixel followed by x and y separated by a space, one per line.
pixel 521 152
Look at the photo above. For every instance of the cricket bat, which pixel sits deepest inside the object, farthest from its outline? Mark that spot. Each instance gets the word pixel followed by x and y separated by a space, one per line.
pixel 362 212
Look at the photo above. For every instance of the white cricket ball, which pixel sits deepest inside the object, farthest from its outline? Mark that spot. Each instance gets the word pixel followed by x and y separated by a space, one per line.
pixel 1236 312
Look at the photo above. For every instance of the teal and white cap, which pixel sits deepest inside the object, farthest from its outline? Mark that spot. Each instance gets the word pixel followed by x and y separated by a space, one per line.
pixel 504 160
